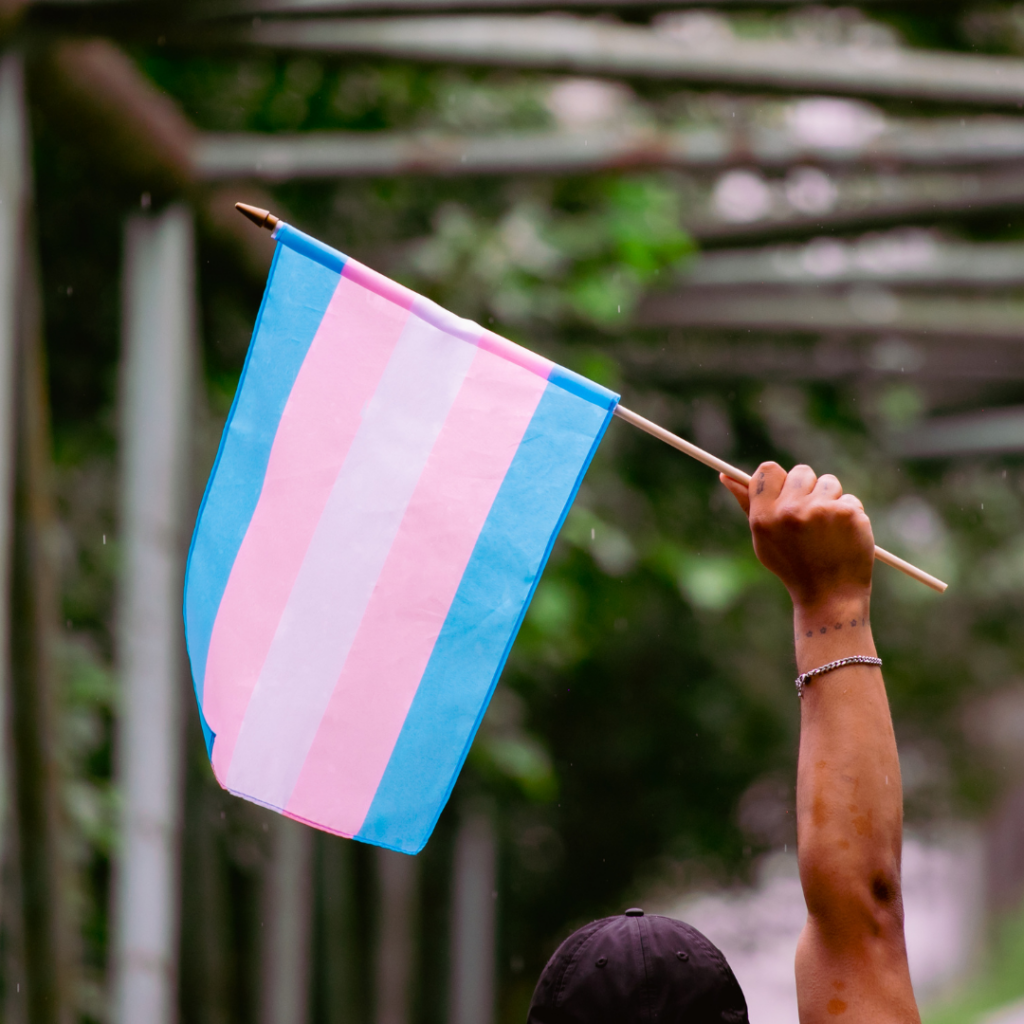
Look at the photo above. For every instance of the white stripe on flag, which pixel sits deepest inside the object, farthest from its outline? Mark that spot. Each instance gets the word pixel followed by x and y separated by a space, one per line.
pixel 344 560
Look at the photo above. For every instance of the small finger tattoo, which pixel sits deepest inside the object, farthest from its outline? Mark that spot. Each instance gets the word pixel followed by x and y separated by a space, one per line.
pixel 760 483
pixel 824 629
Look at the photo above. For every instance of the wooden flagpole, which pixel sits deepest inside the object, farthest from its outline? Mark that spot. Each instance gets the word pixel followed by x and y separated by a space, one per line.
pixel 744 478
pixel 265 219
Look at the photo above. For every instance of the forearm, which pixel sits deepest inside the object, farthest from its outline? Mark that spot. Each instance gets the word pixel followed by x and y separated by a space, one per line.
pixel 849 795
pixel 851 955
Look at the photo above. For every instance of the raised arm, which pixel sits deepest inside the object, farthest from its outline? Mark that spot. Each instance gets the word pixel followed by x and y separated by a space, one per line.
pixel 851 962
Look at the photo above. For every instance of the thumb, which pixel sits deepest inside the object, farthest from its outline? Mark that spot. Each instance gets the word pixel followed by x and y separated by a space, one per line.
pixel 740 492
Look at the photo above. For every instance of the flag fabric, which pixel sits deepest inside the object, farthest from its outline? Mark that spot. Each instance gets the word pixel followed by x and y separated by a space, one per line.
pixel 388 487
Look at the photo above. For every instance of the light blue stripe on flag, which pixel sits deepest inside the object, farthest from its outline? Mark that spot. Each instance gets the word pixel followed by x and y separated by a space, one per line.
pixel 310 247
pixel 296 298
pixel 583 387
pixel 485 616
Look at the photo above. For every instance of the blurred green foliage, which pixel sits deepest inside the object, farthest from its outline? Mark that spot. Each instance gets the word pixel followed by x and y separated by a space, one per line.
pixel 539 263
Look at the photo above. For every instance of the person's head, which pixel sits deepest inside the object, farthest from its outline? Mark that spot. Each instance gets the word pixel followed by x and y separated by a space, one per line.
pixel 637 969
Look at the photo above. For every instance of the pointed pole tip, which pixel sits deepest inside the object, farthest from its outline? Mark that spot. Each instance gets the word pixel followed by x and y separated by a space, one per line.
pixel 261 218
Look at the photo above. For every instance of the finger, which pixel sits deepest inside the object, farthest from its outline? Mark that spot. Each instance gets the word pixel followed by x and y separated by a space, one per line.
pixel 851 501
pixel 766 484
pixel 739 492
pixel 828 487
pixel 800 480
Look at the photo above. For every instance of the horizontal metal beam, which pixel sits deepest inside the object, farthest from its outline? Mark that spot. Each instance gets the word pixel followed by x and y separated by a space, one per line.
pixel 990 432
pixel 244 8
pixel 592 46
pixel 908 257
pixel 236 8
pixel 923 143
pixel 857 202
pixel 862 202
pixel 682 357
pixel 345 154
pixel 863 309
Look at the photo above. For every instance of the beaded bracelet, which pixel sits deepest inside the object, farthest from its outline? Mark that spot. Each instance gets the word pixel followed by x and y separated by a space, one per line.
pixel 857 659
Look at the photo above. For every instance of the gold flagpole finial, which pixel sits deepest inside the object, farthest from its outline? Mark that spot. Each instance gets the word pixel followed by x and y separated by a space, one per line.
pixel 261 218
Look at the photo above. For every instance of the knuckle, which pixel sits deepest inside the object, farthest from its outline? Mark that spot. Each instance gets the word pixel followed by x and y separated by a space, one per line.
pixel 791 514
pixel 763 525
pixel 819 515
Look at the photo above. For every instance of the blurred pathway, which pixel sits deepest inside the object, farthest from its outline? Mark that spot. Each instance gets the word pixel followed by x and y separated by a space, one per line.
pixel 757 929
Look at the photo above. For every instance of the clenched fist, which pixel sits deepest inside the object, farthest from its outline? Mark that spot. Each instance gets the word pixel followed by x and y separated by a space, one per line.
pixel 816 539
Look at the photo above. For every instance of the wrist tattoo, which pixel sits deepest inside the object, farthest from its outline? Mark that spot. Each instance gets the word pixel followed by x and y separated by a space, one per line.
pixel 850 623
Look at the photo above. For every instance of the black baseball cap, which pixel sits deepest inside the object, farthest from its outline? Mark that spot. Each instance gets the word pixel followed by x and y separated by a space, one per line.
pixel 637 969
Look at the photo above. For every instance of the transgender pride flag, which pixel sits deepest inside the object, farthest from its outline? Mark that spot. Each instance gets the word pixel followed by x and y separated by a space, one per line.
pixel 388 488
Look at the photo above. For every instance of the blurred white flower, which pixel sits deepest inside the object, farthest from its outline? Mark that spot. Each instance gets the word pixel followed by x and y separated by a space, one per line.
pixel 585 102
pixel 833 123
pixel 825 257
pixel 741 196
pixel 810 190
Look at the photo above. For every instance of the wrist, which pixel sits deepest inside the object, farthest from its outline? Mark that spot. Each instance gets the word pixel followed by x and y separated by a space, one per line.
pixel 834 628
pixel 855 597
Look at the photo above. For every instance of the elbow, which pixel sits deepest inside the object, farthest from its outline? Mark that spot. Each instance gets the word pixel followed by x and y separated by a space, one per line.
pixel 887 896
pixel 855 905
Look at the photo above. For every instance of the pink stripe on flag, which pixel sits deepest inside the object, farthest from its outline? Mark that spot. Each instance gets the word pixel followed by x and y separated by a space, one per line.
pixel 341 371
pixel 383 286
pixel 414 593
pixel 514 353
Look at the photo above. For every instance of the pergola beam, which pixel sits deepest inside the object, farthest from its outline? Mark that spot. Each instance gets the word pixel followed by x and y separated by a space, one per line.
pixel 926 143
pixel 93 89
pixel 70 12
pixel 590 46
pixel 997 431
pixel 873 202
pixel 899 258
pixel 860 203
pixel 236 8
pixel 865 309
pixel 683 357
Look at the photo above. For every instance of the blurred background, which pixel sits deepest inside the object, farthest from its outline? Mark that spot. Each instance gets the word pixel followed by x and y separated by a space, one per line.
pixel 784 230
